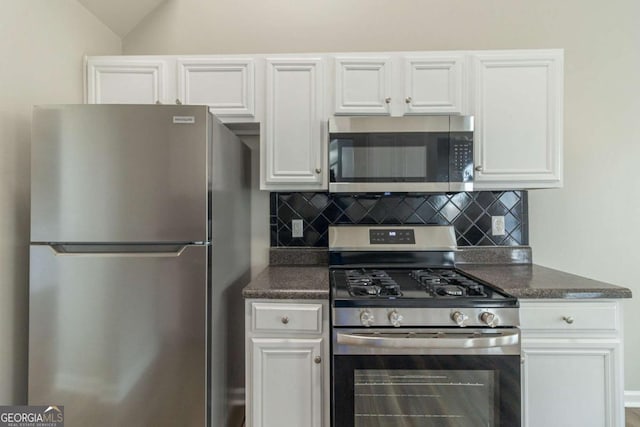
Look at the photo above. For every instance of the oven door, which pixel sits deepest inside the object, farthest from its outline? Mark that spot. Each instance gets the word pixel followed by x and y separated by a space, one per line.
pixel 426 377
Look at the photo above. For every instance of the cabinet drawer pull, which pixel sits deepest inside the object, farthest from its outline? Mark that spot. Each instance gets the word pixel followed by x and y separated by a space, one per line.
pixel 285 319
pixel 568 319
pixel 387 100
pixel 318 170
pixel 408 100
pixel 317 359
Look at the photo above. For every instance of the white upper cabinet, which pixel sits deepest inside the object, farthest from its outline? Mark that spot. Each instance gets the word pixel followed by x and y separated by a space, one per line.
pixel 518 119
pixel 363 85
pixel 425 83
pixel 296 126
pixel 119 80
pixel 434 84
pixel 225 85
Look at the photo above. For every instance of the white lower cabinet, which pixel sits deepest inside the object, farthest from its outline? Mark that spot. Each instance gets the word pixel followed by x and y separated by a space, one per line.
pixel 287 371
pixel 572 363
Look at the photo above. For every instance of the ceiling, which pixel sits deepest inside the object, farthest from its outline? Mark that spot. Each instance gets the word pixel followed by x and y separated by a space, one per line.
pixel 121 16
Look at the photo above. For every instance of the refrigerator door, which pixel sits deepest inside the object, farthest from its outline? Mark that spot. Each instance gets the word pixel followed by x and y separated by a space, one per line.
pixel 120 173
pixel 119 338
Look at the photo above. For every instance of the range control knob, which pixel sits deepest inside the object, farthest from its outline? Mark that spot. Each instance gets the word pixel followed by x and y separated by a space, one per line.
pixel 395 318
pixel 490 319
pixel 366 318
pixel 459 318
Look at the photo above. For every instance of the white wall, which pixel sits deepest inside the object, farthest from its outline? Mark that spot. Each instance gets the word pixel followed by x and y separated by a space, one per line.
pixel 42 43
pixel 591 226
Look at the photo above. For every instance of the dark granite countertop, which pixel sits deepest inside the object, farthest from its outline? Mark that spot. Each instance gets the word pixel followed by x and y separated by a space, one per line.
pixel 302 273
pixel 535 281
pixel 290 282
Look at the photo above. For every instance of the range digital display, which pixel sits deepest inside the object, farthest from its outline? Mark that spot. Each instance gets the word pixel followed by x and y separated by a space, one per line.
pixel 392 237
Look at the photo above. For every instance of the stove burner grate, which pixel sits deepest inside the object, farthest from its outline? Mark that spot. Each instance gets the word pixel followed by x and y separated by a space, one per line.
pixel 371 283
pixel 447 283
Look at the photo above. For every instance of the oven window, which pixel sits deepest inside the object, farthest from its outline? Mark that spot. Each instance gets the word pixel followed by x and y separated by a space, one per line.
pixel 407 398
pixel 413 390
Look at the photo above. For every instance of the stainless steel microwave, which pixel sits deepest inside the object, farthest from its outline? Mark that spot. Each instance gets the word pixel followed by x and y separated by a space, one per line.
pixel 400 154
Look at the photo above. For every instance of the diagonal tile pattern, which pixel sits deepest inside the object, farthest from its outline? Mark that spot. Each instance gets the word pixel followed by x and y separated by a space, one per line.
pixel 470 214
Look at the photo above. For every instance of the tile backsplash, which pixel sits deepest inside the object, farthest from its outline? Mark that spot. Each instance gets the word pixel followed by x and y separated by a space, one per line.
pixel 470 213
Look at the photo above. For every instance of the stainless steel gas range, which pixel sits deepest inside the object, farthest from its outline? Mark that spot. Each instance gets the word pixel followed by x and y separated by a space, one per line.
pixel 415 341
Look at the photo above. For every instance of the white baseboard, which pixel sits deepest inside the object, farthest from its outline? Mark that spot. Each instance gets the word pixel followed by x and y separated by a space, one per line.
pixel 631 399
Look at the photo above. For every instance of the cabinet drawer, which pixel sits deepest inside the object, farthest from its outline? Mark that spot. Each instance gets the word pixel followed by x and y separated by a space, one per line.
pixel 287 317
pixel 568 316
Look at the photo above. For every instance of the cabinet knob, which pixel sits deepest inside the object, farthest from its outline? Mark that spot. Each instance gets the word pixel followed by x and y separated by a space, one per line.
pixel 285 319
pixel 158 102
pixel 408 100
pixel 318 170
pixel 568 319
pixel 317 359
pixel 387 100
pixel 178 102
pixel 478 168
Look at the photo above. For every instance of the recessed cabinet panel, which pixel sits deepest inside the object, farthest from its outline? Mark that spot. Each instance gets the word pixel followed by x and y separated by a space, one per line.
pixel 363 86
pixel 295 125
pixel 518 120
pixel 226 86
pixel 287 382
pixel 125 81
pixel 568 386
pixel 434 84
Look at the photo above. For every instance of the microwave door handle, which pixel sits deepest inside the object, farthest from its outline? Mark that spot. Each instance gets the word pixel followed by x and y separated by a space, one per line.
pixel 442 342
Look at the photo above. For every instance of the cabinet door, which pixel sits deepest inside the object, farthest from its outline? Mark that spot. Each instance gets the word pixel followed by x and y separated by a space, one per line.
pixel 570 384
pixel 295 124
pixel 434 84
pixel 287 382
pixel 363 85
pixel 225 85
pixel 518 119
pixel 125 81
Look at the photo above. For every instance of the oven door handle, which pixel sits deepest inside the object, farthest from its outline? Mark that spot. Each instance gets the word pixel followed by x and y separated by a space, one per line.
pixel 452 341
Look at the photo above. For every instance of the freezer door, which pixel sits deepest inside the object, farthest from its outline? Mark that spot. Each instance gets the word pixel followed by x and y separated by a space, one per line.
pixel 119 338
pixel 120 173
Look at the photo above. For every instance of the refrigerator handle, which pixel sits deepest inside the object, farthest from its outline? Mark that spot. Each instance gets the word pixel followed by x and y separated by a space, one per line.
pixel 110 250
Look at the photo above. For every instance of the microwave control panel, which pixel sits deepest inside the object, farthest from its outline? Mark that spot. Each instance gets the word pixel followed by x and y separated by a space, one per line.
pixel 461 159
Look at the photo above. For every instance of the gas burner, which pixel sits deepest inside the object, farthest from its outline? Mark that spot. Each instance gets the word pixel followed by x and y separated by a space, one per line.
pixel 449 291
pixel 447 283
pixel 371 283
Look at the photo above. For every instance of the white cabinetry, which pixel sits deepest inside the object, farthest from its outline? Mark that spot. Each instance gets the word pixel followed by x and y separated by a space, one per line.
pixel 226 84
pixel 518 118
pixel 363 85
pixel 572 363
pixel 126 80
pixel 516 97
pixel 425 83
pixel 296 126
pixel 287 363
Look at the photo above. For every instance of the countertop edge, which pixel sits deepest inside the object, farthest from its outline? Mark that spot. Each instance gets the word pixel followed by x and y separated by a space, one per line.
pixel 523 281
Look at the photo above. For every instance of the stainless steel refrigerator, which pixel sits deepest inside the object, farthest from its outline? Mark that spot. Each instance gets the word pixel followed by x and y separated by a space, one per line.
pixel 139 232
